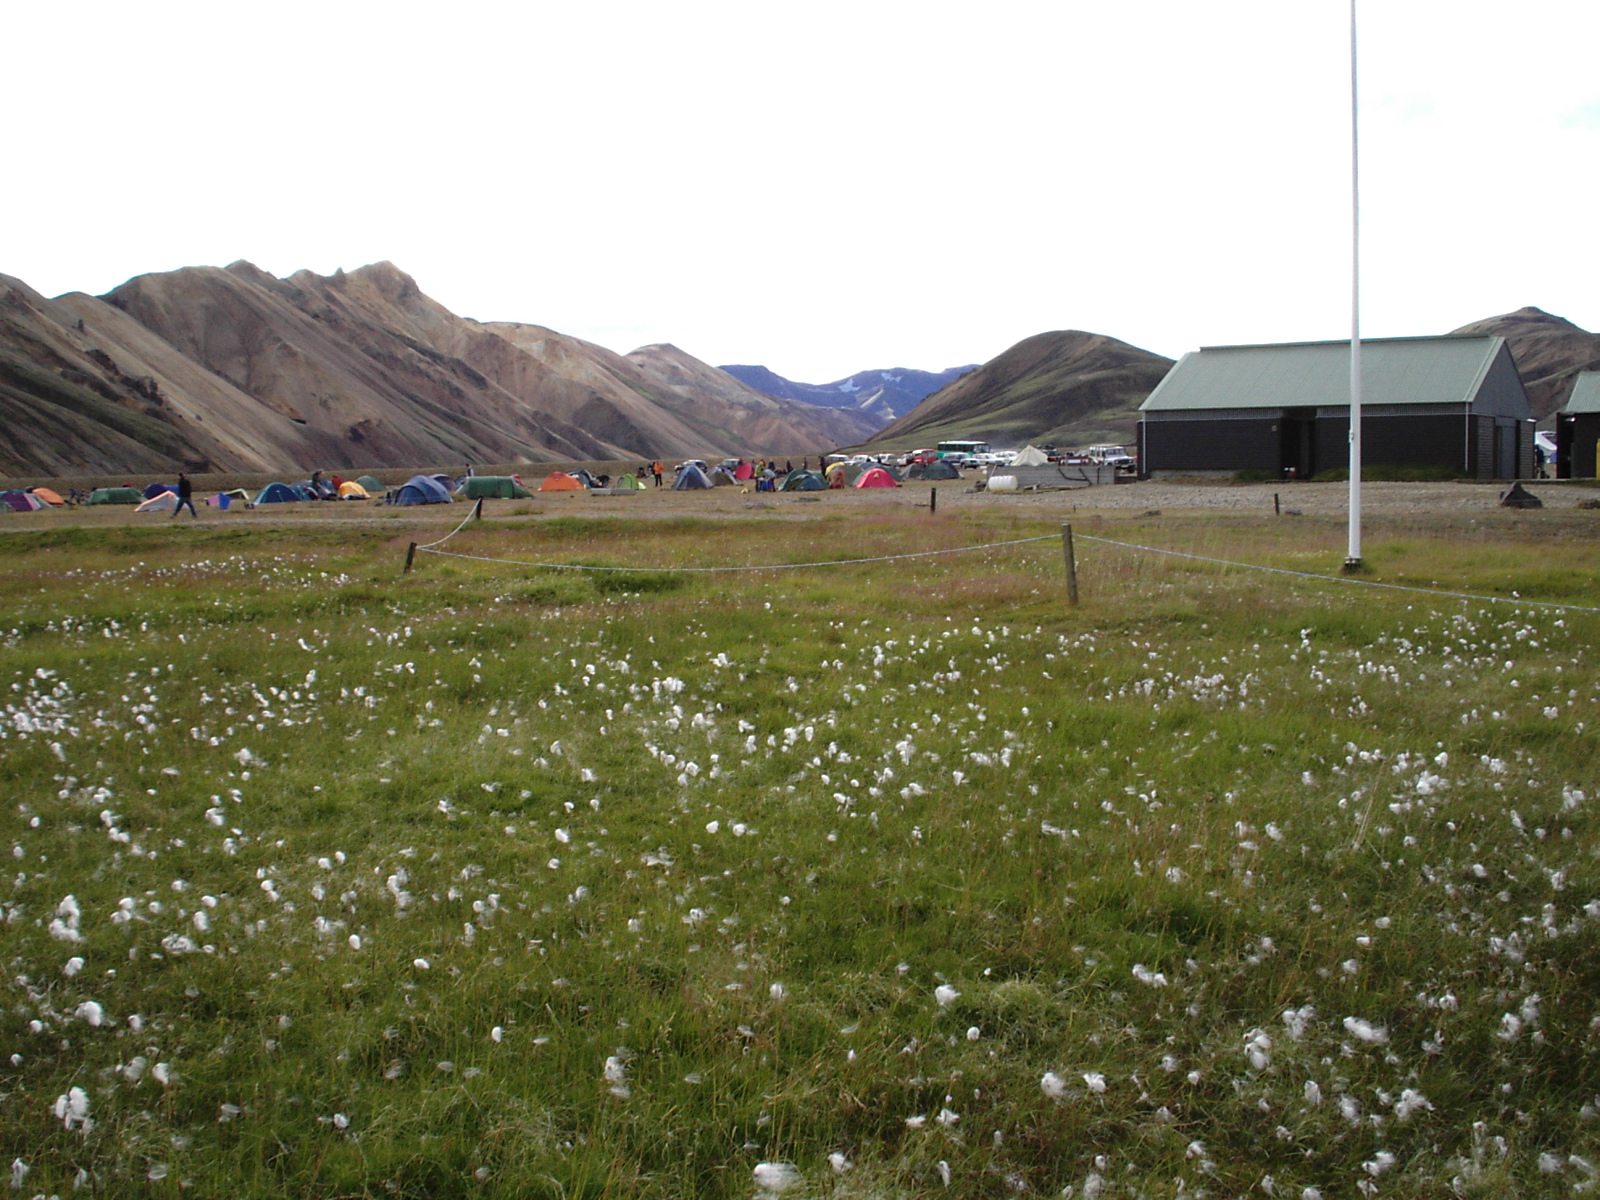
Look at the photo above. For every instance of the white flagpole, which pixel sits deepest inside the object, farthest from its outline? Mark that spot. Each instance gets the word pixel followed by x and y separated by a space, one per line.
pixel 1352 560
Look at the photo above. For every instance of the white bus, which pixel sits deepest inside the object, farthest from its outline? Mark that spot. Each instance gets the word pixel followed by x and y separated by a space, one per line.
pixel 962 450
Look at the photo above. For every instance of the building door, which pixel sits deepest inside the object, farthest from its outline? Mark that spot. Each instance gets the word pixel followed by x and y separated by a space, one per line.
pixel 1297 445
pixel 1505 450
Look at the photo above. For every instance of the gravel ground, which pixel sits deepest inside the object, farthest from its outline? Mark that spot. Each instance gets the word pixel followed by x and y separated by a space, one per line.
pixel 1389 503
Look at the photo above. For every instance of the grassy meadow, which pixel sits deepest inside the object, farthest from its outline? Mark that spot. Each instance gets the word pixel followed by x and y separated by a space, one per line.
pixel 896 879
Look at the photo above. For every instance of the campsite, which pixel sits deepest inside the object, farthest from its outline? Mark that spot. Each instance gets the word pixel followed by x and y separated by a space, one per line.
pixel 723 844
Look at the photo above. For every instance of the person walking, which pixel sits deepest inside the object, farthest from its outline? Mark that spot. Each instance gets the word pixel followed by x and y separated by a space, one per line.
pixel 185 496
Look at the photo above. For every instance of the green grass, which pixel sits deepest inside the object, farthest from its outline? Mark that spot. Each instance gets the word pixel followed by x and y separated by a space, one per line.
pixel 385 869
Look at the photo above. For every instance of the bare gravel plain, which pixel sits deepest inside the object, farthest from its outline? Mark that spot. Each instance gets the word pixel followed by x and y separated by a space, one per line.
pixel 1390 504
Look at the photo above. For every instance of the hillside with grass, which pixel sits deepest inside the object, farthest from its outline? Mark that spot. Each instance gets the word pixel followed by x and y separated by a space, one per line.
pixel 507 880
pixel 1068 388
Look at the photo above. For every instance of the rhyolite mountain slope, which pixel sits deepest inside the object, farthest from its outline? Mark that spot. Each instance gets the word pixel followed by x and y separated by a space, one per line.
pixel 1066 387
pixel 232 369
pixel 883 394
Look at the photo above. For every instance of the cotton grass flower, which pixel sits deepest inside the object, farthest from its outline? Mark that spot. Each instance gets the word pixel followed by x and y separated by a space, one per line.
pixel 616 1074
pixel 1374 1035
pixel 946 995
pixel 775 1178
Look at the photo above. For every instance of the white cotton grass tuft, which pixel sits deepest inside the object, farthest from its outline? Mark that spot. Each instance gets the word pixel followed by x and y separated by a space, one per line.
pixel 1095 1082
pixel 775 1178
pixel 72 1110
pixel 616 1074
pixel 91 1012
pixel 946 995
pixel 1053 1085
pixel 1364 1031
pixel 839 1163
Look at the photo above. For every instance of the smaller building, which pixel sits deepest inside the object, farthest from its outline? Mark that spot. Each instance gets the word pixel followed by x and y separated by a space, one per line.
pixel 1578 430
pixel 1452 402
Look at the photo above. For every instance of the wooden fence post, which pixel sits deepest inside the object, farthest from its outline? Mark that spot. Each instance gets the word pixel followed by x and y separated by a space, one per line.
pixel 411 553
pixel 1072 565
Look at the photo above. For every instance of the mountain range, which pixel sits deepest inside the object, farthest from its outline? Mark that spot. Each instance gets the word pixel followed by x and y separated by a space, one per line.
pixel 233 370
pixel 883 395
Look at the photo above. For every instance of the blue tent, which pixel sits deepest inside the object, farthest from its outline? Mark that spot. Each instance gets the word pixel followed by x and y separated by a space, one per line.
pixel 690 478
pixel 420 489
pixel 152 490
pixel 276 493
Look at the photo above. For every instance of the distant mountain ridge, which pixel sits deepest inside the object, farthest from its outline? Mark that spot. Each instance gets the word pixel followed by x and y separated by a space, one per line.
pixel 885 395
pixel 232 369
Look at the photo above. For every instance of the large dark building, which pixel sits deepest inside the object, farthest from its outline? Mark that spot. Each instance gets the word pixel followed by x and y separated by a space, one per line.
pixel 1578 430
pixel 1452 402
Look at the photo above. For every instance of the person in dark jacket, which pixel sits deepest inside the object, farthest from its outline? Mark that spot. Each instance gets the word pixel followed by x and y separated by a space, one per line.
pixel 185 496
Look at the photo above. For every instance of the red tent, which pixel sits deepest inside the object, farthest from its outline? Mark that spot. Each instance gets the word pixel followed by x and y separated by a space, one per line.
pixel 876 477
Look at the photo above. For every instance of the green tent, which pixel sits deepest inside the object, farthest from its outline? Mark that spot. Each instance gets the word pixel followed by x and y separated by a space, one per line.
pixel 373 484
pixel 116 495
pixel 494 487
pixel 626 483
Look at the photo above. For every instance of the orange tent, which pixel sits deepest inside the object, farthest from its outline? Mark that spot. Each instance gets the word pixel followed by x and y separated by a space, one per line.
pixel 560 481
pixel 48 496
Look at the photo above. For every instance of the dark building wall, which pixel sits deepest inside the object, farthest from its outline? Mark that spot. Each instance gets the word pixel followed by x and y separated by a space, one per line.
pixel 1432 439
pixel 1576 436
pixel 1233 444
pixel 1479 447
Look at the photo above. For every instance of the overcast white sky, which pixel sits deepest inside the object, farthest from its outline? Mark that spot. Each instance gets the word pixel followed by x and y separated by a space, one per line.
pixel 832 186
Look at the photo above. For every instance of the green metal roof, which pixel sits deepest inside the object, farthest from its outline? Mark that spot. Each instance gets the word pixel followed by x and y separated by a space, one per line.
pixel 1585 393
pixel 1424 370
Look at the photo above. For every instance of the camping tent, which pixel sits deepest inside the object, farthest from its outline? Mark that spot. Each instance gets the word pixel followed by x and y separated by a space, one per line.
pixel 940 470
pixel 47 495
pixel 560 481
pixel 21 501
pixel 420 489
pixel 115 495
pixel 276 493
pixel 690 478
pixel 165 502
pixel 803 481
pixel 1030 456
pixel 627 482
pixel 373 484
pixel 351 490
pixel 722 477
pixel 493 487
pixel 152 490
pixel 876 477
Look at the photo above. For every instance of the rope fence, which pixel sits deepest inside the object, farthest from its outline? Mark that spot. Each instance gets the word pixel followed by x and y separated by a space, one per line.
pixel 1066 536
